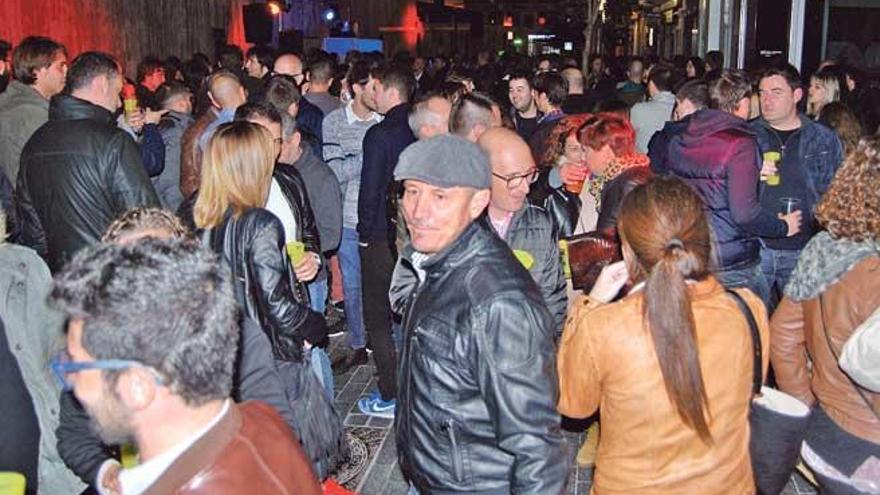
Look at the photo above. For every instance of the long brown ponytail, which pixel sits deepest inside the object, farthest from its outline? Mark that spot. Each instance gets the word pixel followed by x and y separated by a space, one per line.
pixel 665 237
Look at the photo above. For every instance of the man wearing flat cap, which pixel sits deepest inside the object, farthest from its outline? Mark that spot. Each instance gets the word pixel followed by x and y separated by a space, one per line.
pixel 477 386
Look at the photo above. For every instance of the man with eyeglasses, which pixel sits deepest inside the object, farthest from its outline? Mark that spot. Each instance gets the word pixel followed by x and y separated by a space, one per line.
pixel 164 384
pixel 526 228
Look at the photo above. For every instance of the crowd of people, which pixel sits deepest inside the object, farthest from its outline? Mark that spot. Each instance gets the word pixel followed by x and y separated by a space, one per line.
pixel 175 242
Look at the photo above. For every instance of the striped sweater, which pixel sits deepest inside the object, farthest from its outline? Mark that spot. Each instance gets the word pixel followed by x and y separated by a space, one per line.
pixel 343 134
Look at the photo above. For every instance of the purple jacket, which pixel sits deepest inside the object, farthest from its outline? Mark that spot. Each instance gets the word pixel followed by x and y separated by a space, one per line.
pixel 717 155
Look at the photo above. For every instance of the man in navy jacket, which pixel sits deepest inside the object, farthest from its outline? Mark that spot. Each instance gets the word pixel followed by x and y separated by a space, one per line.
pixel 810 155
pixel 393 87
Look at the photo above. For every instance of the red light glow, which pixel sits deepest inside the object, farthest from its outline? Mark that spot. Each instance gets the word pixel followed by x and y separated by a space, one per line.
pixel 412 25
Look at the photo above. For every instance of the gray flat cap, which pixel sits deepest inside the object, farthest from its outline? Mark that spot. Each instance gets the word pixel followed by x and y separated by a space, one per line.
pixel 445 161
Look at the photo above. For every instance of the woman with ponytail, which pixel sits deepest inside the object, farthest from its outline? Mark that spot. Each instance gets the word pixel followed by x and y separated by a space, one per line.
pixel 670 364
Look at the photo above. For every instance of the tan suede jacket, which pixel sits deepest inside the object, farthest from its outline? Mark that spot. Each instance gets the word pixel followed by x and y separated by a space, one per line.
pixel 798 336
pixel 607 362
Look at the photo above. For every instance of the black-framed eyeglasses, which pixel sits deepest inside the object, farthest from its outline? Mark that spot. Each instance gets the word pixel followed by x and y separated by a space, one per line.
pixel 514 181
pixel 278 141
pixel 62 365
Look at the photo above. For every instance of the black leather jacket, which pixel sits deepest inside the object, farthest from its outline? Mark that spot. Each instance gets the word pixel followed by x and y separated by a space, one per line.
pixel 253 247
pixel 294 189
pixel 564 207
pixel 613 194
pixel 477 386
pixel 78 173
pixel 292 186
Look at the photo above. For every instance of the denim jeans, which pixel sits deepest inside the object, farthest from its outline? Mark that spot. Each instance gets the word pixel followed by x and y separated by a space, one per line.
pixel 320 363
pixel 751 278
pixel 350 264
pixel 318 295
pixel 777 265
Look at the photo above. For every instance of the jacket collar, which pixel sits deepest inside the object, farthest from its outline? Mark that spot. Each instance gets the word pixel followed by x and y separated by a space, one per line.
pixel 18 91
pixel 66 107
pixel 184 119
pixel 706 122
pixel 400 112
pixel 698 289
pixel 200 454
pixel 664 97
pixel 306 158
pixel 453 255
pixel 805 122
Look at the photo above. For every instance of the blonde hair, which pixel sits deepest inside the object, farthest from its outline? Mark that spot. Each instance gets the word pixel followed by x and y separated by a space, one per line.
pixel 831 83
pixel 236 172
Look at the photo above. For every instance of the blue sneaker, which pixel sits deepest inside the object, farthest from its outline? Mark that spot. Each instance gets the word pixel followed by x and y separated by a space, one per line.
pixel 375 406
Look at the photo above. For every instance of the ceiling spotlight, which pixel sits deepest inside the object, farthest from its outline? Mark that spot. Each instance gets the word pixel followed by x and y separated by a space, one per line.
pixel 329 15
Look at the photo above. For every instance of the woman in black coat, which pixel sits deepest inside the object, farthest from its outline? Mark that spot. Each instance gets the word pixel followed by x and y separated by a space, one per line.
pixel 236 177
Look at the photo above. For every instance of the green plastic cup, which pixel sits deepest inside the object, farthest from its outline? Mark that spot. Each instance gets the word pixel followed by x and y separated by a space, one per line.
pixel 12 483
pixel 296 251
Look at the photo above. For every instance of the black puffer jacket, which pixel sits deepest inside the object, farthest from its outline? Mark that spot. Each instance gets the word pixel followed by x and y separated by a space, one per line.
pixel 477 388
pixel 78 173
pixel 253 246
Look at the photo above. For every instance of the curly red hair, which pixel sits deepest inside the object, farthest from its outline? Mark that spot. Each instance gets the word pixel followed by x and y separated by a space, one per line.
pixel 566 126
pixel 611 129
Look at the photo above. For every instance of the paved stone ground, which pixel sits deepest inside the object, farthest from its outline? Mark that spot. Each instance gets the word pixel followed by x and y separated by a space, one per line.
pixel 382 476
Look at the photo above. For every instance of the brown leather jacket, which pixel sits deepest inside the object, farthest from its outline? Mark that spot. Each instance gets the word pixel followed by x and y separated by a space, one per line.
pixel 191 155
pixel 607 360
pixel 250 450
pixel 799 334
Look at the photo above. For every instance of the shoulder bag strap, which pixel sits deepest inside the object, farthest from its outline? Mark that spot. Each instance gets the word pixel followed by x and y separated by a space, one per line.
pixel 756 341
pixel 837 358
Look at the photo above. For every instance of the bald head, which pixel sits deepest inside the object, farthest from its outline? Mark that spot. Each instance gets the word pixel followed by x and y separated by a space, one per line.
pixel 225 90
pixel 289 64
pixel 501 144
pixel 575 80
pixel 510 158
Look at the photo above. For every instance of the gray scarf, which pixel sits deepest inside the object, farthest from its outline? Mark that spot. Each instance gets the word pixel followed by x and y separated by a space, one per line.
pixel 823 261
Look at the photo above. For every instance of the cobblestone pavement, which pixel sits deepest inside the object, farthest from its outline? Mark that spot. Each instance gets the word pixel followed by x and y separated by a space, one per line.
pixel 380 474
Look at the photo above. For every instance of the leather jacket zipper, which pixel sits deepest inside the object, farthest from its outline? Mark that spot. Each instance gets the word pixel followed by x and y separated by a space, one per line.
pixel 457 467
pixel 404 412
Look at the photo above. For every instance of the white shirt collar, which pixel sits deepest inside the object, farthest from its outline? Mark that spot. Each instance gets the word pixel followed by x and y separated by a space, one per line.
pixel 136 480
pixel 352 117
pixel 419 259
